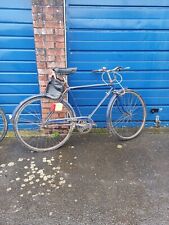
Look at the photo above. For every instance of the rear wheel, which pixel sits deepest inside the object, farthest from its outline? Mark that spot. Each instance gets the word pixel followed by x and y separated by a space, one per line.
pixel 3 124
pixel 127 115
pixel 40 123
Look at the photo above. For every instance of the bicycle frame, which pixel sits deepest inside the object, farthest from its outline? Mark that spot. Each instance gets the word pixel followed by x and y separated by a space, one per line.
pixel 108 93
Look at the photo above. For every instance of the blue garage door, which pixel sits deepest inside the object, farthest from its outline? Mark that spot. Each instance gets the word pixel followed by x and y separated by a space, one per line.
pixel 18 72
pixel 120 33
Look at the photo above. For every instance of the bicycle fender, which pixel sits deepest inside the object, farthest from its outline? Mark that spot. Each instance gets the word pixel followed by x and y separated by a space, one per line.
pixel 35 96
pixel 109 106
pixel 108 110
pixel 22 102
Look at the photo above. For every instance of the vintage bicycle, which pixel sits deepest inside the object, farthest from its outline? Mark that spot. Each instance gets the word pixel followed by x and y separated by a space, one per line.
pixel 46 121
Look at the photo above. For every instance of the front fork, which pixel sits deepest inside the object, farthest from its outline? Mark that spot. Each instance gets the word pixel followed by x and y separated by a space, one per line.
pixel 108 113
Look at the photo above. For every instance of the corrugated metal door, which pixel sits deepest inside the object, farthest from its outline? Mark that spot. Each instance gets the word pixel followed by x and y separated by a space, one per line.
pixel 18 72
pixel 126 33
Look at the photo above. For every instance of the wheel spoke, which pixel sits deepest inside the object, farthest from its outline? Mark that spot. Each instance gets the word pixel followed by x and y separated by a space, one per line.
pixel 33 127
pixel 127 116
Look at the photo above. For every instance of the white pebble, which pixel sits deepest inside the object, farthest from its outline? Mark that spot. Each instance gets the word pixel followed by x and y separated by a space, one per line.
pixel 8 189
pixel 119 146
pixel 62 182
pixel 26 180
pixel 11 164
pixel 45 178
pixel 20 159
pixel 2 165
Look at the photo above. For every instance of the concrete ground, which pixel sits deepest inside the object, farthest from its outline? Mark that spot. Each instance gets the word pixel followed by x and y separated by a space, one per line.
pixel 92 180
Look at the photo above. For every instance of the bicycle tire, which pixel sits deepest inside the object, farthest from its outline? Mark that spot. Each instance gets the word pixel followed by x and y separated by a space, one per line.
pixel 3 125
pixel 127 115
pixel 29 123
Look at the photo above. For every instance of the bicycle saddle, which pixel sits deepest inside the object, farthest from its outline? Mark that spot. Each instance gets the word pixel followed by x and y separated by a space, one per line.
pixel 65 71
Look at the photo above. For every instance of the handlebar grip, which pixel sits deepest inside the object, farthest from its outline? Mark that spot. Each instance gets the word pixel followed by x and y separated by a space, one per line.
pixel 126 68
pixel 120 68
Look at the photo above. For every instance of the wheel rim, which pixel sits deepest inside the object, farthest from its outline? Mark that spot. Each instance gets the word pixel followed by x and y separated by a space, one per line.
pixel 34 126
pixel 3 125
pixel 127 115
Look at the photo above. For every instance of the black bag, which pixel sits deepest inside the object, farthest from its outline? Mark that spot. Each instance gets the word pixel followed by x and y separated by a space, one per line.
pixel 54 88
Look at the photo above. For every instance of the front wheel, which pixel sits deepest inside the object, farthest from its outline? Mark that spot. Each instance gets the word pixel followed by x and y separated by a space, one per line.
pixel 127 115
pixel 42 123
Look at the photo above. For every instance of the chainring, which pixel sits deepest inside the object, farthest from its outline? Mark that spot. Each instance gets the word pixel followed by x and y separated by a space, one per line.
pixel 84 126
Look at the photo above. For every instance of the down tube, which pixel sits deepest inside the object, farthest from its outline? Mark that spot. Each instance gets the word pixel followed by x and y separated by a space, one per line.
pixel 101 102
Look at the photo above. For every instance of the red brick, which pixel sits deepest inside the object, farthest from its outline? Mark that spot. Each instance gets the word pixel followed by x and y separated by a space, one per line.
pixel 60 52
pixel 51 58
pixel 42 89
pixel 61 64
pixel 37 24
pixel 49 10
pixel 41 65
pixel 49 17
pixel 50 52
pixel 39 44
pixel 60 38
pixel 40 51
pixel 37 31
pixel 60 58
pixel 36 9
pixel 59 25
pixel 40 58
pixel 43 77
pixel 50 37
pixel 51 24
pixel 51 64
pixel 43 71
pixel 59 45
pixel 49 31
pixel 43 83
pixel 49 45
pixel 55 52
pixel 38 38
pixel 59 31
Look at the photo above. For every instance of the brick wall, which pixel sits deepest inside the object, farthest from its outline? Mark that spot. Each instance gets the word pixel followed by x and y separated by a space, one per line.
pixel 48 22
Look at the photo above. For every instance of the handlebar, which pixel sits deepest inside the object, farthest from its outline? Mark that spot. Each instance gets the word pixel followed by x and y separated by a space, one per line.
pixel 116 69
